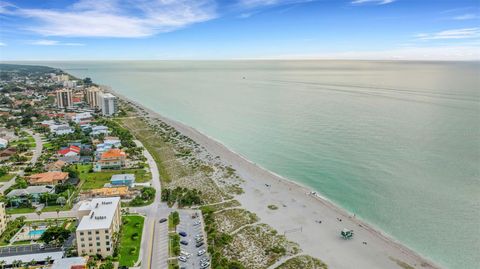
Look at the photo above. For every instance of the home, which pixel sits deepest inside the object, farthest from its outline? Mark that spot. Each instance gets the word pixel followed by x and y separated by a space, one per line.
pixel 48 178
pixel 70 151
pixel 123 180
pixel 55 166
pixel 7 153
pixel 32 191
pixel 111 159
pixel 99 129
pixel 61 129
pixel 84 117
pixel 110 192
pixel 3 143
pixel 112 140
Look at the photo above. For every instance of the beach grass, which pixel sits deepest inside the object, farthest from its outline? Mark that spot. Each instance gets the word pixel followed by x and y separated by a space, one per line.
pixel 304 262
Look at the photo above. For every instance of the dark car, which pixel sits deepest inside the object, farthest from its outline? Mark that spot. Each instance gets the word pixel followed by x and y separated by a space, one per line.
pixel 183 234
pixel 162 220
pixel 199 244
pixel 183 242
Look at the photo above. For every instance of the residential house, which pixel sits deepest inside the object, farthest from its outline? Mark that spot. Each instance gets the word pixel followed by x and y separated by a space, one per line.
pixel 99 129
pixel 31 191
pixel 84 117
pixel 121 191
pixel 48 178
pixel 55 166
pixel 123 180
pixel 61 129
pixel 7 153
pixel 70 151
pixel 112 140
pixel 3 143
pixel 111 159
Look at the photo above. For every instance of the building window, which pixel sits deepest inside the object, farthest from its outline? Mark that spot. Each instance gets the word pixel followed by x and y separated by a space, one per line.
pixel 89 232
pixel 98 237
pixel 81 233
pixel 107 243
pixel 106 231
pixel 108 249
pixel 89 239
pixel 98 250
pixel 81 239
pixel 98 244
pixel 83 245
pixel 90 244
pixel 107 237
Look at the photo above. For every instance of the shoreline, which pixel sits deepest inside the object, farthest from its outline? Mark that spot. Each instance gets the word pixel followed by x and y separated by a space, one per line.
pixel 255 175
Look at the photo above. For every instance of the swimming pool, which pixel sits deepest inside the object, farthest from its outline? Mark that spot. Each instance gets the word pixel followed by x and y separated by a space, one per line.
pixel 35 232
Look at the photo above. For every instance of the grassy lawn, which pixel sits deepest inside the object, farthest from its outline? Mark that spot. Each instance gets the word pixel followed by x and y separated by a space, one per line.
pixel 6 177
pixel 99 179
pixel 20 210
pixel 53 208
pixel 130 239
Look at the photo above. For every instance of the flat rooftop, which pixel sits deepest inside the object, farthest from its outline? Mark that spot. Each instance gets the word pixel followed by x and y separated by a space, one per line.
pixel 101 213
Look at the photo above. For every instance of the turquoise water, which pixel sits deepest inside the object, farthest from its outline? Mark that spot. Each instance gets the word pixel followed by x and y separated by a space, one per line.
pixel 35 232
pixel 396 143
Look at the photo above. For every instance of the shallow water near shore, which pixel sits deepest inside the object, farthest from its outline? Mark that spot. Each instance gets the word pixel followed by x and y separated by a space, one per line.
pixel 396 143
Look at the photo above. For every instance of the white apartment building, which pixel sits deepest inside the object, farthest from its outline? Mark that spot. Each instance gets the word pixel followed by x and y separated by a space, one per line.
pixel 3 218
pixel 108 104
pixel 93 97
pixel 99 224
pixel 64 98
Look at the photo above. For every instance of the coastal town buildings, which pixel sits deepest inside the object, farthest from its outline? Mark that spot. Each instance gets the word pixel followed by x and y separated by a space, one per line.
pixel 99 223
pixel 93 97
pixel 48 178
pixel 111 159
pixel 3 218
pixel 108 104
pixel 64 98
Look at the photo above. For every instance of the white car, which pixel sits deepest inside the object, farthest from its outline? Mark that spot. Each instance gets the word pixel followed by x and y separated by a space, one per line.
pixel 201 252
pixel 204 265
pixel 182 258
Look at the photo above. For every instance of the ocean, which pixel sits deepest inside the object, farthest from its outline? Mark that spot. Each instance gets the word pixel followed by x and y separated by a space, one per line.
pixel 396 143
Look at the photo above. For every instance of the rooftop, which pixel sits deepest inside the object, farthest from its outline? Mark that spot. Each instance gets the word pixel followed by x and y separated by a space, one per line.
pixel 101 213
pixel 113 153
pixel 48 177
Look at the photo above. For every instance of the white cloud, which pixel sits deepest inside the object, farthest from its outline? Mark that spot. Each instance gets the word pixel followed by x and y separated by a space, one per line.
pixel 119 18
pixel 2 44
pixel 249 4
pixel 439 53
pixel 46 42
pixel 468 16
pixel 377 2
pixel 451 34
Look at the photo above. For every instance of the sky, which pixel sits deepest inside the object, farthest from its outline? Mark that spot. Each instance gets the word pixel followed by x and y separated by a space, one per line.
pixel 239 29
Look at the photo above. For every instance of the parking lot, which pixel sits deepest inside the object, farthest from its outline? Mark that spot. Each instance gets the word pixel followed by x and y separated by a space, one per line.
pixel 187 225
pixel 26 249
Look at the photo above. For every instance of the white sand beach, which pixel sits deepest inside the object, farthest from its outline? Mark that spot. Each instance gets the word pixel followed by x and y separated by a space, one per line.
pixel 299 214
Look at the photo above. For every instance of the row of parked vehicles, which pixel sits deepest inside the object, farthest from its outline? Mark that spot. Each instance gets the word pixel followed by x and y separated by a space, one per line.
pixel 199 241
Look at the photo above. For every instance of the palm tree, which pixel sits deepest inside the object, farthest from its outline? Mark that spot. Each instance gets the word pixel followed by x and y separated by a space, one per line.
pixel 58 216
pixel 39 213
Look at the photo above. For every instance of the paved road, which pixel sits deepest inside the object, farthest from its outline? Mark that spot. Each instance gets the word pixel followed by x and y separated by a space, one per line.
pixel 153 251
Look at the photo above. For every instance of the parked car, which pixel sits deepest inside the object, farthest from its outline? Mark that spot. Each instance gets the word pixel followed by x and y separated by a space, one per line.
pixel 183 234
pixel 204 265
pixel 201 252
pixel 162 220
pixel 199 244
pixel 183 242
pixel 182 258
